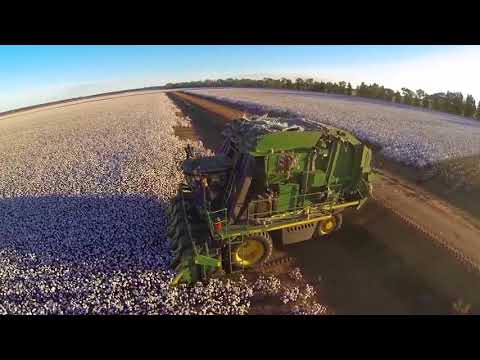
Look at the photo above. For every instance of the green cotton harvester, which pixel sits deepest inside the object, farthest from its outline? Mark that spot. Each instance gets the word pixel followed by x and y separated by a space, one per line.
pixel 268 180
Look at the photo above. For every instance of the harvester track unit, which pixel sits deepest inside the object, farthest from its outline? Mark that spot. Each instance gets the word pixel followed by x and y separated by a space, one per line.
pixel 268 181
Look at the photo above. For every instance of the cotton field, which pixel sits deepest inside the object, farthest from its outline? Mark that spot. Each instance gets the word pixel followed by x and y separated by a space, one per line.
pixel 83 190
pixel 411 136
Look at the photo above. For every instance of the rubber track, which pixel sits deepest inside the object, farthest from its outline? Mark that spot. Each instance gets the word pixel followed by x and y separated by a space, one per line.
pixel 438 241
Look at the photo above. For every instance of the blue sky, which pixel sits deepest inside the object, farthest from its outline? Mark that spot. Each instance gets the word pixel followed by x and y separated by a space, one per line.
pixel 35 74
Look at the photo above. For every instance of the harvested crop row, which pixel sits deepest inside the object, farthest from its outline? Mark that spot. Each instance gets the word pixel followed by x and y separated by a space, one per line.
pixel 414 137
pixel 83 191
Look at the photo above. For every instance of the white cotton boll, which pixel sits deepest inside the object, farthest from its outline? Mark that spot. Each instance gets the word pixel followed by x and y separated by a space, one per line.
pixel 296 274
pixel 289 294
pixel 312 309
pixel 267 285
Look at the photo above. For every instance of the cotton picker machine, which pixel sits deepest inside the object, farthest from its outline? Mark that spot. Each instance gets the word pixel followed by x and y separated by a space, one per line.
pixel 267 181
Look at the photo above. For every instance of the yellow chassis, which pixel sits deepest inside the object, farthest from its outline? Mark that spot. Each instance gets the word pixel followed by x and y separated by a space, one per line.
pixel 239 230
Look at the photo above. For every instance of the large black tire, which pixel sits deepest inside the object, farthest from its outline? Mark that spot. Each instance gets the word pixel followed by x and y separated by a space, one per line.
pixel 325 229
pixel 246 255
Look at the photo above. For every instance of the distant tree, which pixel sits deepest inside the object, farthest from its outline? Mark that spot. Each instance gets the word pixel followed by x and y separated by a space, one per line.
pixel 349 89
pixel 398 97
pixel 362 89
pixel 407 96
pixel 382 93
pixel 389 94
pixel 415 100
pixel 438 101
pixel 342 87
pixel 454 102
pixel 374 91
pixel 426 102
pixel 286 83
pixel 420 96
pixel 315 86
pixel 299 84
pixel 371 90
pixel 469 107
pixel 330 87
pixel 267 82
pixel 309 84
pixel 477 115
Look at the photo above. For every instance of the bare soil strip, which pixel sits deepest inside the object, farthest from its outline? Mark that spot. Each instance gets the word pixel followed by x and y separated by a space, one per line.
pixel 387 258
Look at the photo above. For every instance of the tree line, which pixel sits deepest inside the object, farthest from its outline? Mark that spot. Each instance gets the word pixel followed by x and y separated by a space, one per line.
pixel 449 102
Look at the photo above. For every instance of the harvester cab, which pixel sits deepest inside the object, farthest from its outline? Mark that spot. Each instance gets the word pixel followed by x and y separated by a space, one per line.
pixel 267 180
pixel 207 177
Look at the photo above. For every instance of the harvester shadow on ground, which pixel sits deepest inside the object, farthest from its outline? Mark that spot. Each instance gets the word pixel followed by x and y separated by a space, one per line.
pixel 124 231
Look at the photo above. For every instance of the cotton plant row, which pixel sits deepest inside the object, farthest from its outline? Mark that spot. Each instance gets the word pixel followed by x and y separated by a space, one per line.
pixel 414 137
pixel 297 293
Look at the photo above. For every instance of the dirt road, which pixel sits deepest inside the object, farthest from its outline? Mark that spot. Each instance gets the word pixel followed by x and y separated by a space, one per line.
pixel 436 217
pixel 404 253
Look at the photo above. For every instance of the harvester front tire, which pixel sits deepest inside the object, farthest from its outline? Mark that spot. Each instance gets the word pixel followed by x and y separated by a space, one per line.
pixel 329 226
pixel 255 251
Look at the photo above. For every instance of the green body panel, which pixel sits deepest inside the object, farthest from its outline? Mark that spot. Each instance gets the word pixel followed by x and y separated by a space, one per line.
pixel 286 141
pixel 288 196
pixel 207 261
pixel 317 179
pixel 313 162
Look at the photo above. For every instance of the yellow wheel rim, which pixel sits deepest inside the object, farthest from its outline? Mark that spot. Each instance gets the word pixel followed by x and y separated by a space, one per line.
pixel 249 253
pixel 327 226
